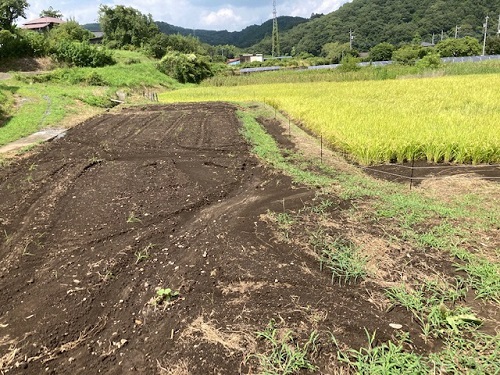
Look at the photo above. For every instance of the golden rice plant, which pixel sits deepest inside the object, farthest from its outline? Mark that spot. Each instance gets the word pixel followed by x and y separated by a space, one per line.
pixel 442 119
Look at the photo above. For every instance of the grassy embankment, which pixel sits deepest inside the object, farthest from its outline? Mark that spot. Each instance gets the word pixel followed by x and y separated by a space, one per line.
pixel 32 102
pixel 432 252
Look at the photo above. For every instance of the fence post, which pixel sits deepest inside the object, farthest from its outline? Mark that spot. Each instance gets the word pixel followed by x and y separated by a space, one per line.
pixel 411 175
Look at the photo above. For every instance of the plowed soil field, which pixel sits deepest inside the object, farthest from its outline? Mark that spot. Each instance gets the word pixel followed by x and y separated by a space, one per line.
pixel 137 244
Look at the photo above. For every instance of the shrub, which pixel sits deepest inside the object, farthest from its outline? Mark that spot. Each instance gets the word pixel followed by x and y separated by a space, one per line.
pixel 459 47
pixel 97 101
pixel 409 54
pixel 36 44
pixel 381 52
pixel 493 45
pixel 349 64
pixel 431 60
pixel 82 54
pixel 95 79
pixel 185 68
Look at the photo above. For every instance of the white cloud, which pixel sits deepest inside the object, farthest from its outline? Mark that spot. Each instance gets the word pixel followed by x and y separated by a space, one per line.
pixel 232 15
pixel 222 19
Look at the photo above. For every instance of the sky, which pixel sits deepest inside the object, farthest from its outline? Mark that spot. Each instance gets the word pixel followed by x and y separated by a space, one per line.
pixel 231 15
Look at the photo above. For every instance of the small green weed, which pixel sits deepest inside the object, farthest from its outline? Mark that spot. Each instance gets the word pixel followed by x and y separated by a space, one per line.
pixel 284 355
pixel 385 359
pixel 132 218
pixel 164 296
pixel 143 254
pixel 428 306
pixel 477 354
pixel 483 275
pixel 7 236
pixel 344 260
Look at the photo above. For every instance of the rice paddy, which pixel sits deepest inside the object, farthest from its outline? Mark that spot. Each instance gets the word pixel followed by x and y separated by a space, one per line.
pixel 438 119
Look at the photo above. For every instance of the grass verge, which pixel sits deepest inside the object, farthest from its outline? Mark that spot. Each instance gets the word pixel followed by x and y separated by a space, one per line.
pixel 416 248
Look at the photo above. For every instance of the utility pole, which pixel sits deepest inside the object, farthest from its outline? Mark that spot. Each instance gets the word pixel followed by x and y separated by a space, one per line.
pixel 351 38
pixel 433 38
pixel 275 36
pixel 485 34
pixel 498 32
pixel 456 31
pixel 442 35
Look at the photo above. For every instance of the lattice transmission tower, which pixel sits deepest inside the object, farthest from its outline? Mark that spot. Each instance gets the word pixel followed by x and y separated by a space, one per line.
pixel 276 39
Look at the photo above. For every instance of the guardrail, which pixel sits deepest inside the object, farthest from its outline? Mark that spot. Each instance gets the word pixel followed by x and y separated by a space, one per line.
pixel 373 63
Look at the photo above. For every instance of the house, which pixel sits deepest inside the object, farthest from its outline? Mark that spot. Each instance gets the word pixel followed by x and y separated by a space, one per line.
pixel 427 44
pixel 248 58
pixel 42 24
pixel 233 61
pixel 97 38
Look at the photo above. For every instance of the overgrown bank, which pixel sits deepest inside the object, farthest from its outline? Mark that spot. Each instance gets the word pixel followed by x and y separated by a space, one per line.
pixel 434 254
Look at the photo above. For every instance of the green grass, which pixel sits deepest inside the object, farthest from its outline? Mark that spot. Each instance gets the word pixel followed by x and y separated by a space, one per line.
pixel 478 354
pixel 41 106
pixel 483 275
pixel 284 355
pixel 434 306
pixel 365 74
pixel 409 219
pixel 32 102
pixel 344 260
pixel 385 359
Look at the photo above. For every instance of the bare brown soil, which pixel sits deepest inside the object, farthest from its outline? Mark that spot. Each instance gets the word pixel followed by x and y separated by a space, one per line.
pixel 93 224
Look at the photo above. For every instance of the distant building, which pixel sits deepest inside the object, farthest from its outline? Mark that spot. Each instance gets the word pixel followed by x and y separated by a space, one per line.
pixel 42 24
pixel 427 44
pixel 248 58
pixel 98 36
pixel 233 62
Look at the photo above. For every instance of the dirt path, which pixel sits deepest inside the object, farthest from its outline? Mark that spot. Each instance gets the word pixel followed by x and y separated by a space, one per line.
pixel 158 197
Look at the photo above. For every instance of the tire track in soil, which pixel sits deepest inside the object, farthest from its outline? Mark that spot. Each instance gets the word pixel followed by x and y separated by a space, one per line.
pixel 81 303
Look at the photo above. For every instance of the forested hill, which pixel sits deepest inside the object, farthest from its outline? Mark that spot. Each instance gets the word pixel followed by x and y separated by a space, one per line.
pixel 393 21
pixel 245 38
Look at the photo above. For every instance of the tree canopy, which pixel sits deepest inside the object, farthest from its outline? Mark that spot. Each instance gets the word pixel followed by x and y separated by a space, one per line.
pixel 51 12
pixel 393 21
pixel 126 26
pixel 10 11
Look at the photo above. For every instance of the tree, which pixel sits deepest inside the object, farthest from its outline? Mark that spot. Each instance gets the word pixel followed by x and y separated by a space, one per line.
pixel 408 54
pixel 459 47
pixel 185 67
pixel 126 26
pixel 493 45
pixel 69 31
pixel 335 52
pixel 51 12
pixel 10 11
pixel 381 52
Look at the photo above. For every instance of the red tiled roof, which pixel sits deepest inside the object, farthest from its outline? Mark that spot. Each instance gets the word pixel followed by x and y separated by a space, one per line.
pixel 42 22
pixel 35 25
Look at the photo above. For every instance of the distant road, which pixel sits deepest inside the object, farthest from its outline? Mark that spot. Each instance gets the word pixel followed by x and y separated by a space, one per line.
pixel 375 63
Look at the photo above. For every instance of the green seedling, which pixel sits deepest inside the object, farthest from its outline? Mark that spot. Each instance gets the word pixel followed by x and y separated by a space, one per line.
pixel 132 218
pixel 164 296
pixel 143 254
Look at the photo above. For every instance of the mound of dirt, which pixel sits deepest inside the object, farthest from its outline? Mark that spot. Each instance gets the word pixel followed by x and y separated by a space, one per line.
pixel 103 227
